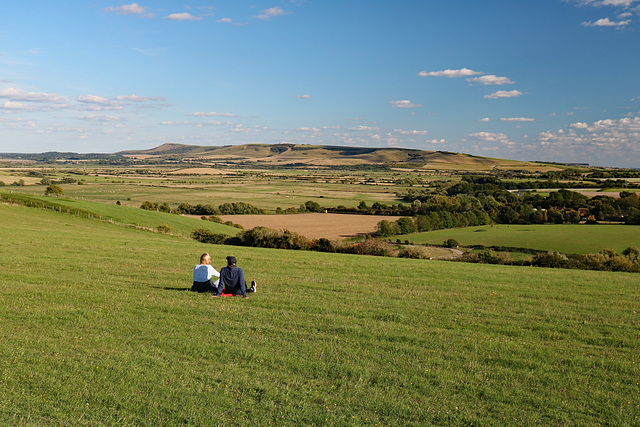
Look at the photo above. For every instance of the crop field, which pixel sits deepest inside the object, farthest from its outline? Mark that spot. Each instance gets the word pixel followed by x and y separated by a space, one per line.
pixel 314 225
pixel 98 329
pixel 266 191
pixel 566 238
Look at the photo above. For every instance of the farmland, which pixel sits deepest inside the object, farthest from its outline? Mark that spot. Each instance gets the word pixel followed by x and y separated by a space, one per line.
pixel 102 332
pixel 579 239
pixel 98 328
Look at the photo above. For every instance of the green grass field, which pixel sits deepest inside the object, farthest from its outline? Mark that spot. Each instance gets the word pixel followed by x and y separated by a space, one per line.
pixel 97 328
pixel 578 239
pixel 179 225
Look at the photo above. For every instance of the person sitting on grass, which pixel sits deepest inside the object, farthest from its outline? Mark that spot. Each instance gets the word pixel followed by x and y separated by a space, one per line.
pixel 202 276
pixel 232 280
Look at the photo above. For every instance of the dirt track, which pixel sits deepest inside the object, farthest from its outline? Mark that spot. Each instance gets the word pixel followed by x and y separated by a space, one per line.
pixel 314 225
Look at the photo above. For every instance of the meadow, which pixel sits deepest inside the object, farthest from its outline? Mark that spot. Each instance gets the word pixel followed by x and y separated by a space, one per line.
pixel 565 238
pixel 98 328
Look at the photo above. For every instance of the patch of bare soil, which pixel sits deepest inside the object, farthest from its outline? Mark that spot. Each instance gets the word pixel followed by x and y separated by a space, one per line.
pixel 198 171
pixel 314 225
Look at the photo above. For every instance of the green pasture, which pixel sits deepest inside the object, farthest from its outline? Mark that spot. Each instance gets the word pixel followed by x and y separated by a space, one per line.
pixel 97 328
pixel 264 193
pixel 566 238
pixel 179 225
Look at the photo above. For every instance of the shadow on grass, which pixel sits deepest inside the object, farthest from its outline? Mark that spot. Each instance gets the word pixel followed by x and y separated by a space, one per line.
pixel 170 288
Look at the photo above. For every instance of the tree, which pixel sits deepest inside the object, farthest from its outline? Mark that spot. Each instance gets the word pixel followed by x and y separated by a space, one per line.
pixel 406 225
pixel 54 190
pixel 386 228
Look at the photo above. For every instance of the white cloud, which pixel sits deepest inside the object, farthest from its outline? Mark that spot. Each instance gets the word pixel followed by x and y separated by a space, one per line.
pixel 364 129
pixel 99 118
pixel 304 96
pixel 411 132
pixel 212 114
pixel 199 124
pixel 449 73
pixel 605 22
pixel 490 80
pixel 484 119
pixel 504 94
pixel 127 9
pixel 184 16
pixel 136 98
pixel 517 119
pixel 99 103
pixel 271 12
pixel 579 125
pixel 18 95
pixel 490 137
pixel 404 104
pixel 225 20
pixel 599 3
pixel 609 141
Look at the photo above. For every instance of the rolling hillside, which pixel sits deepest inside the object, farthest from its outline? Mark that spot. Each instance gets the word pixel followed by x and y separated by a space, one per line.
pixel 326 155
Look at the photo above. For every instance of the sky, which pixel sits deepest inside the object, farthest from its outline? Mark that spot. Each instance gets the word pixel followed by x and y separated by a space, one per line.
pixel 550 80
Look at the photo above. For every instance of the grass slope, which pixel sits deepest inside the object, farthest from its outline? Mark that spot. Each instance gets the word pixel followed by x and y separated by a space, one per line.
pixel 97 329
pixel 331 155
pixel 578 239
pixel 179 225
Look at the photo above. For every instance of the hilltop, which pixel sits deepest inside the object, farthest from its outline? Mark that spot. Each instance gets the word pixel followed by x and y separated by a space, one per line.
pixel 324 155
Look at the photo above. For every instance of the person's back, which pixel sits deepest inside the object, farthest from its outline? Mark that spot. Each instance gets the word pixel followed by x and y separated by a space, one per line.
pixel 232 280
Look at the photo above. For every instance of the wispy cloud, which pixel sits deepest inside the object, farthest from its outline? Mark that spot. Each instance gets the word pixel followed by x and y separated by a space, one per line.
pixel 127 9
pixel 225 20
pixel 605 22
pixel 517 119
pixel 184 16
pixel 490 79
pixel 404 104
pixel 504 94
pixel 212 114
pixel 272 12
pixel 136 98
pixel 304 96
pixel 18 95
pixel 449 73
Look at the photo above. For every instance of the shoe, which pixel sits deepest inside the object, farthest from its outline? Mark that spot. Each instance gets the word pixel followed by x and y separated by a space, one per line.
pixel 254 286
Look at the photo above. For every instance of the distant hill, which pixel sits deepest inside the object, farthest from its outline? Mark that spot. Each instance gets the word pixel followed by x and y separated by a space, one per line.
pixel 325 155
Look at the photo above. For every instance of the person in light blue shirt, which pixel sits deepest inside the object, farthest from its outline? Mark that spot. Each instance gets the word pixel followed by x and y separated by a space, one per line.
pixel 203 274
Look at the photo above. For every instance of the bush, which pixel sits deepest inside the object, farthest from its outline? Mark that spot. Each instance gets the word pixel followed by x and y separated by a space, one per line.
pixel 372 246
pixel 415 252
pixel 206 236
pixel 54 190
pixel 551 259
pixel 164 228
pixel 451 243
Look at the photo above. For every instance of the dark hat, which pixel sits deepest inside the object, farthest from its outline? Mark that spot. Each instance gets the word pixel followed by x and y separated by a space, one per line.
pixel 231 260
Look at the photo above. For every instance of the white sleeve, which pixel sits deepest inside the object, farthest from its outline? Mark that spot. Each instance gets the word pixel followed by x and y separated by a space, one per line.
pixel 213 271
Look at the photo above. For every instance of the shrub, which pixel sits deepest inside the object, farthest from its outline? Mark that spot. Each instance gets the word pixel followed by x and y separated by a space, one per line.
pixel 53 190
pixel 206 236
pixel 451 243
pixel 372 246
pixel 164 228
pixel 551 259
pixel 415 252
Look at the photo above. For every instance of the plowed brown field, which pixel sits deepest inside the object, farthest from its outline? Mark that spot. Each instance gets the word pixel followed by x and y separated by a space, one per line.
pixel 314 225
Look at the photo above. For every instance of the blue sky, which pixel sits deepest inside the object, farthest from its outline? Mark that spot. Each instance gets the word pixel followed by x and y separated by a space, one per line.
pixel 553 80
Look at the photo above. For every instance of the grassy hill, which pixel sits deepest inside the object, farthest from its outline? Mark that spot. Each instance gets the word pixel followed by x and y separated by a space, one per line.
pixel 326 155
pixel 97 329
pixel 124 215
pixel 566 238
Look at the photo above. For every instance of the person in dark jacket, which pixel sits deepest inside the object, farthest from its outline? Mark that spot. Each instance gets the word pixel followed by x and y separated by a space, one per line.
pixel 232 280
